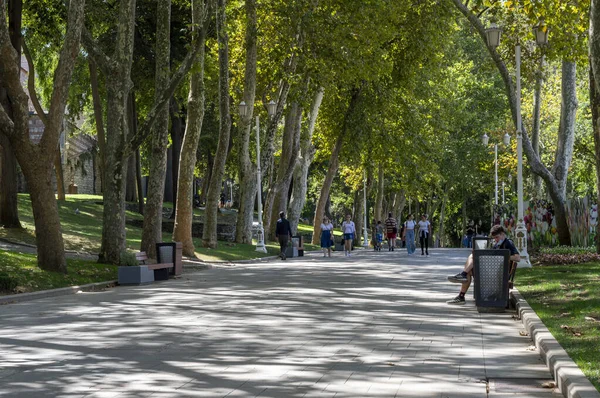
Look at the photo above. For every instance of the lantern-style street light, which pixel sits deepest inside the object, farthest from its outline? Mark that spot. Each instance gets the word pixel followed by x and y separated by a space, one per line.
pixel 271 109
pixel 493 34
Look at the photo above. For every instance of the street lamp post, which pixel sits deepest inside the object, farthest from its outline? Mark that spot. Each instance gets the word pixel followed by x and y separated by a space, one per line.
pixel 493 34
pixel 485 139
pixel 271 108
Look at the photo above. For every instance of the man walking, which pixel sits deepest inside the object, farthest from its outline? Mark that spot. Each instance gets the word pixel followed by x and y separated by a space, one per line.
pixel 283 231
pixel 391 228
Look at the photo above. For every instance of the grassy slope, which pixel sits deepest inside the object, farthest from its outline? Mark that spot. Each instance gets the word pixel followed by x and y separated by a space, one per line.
pixel 83 231
pixel 563 296
pixel 23 268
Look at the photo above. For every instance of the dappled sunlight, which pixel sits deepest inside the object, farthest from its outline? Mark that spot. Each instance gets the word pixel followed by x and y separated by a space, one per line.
pixel 368 325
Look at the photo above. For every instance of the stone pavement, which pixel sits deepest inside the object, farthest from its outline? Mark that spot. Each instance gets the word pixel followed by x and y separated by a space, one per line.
pixel 372 325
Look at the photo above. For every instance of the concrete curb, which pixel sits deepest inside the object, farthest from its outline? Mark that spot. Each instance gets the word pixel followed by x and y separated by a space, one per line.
pixel 569 378
pixel 17 298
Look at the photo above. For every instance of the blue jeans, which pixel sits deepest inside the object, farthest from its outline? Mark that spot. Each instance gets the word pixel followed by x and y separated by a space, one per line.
pixel 410 241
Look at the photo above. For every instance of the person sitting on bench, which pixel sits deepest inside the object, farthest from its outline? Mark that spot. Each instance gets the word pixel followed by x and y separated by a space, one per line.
pixel 500 242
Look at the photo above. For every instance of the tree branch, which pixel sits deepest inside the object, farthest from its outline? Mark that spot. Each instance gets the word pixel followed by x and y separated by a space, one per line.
pixel 7 127
pixel 535 163
pixel 31 84
pixel 95 52
pixel 144 130
pixel 63 74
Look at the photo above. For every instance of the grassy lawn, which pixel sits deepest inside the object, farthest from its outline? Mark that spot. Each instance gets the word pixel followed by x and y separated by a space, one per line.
pixel 82 231
pixel 567 299
pixel 23 270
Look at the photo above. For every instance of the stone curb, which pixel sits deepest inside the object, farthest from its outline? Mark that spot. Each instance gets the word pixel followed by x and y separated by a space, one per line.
pixel 63 291
pixel 569 378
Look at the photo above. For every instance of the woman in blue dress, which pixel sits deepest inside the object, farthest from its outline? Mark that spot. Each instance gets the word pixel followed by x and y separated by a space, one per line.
pixel 326 236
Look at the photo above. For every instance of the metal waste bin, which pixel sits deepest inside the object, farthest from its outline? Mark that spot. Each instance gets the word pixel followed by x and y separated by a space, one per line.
pixel 295 247
pixel 171 252
pixel 490 275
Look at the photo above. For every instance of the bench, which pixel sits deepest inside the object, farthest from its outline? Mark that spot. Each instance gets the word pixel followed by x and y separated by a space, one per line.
pixel 161 270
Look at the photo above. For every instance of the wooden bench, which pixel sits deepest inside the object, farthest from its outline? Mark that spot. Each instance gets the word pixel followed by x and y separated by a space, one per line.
pixel 161 270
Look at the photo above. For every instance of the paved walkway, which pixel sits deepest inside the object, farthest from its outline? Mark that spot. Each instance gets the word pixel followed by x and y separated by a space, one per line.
pixel 372 325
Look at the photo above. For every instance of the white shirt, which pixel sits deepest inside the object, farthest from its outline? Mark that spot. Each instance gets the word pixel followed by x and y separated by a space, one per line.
pixel 410 224
pixel 326 227
pixel 348 227
pixel 424 227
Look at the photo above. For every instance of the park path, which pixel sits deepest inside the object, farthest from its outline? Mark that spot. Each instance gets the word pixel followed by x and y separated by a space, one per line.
pixel 372 325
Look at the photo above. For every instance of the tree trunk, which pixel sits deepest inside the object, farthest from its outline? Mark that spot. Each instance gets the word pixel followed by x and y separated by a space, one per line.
pixel 37 159
pixel 332 169
pixel 569 107
pixel 153 213
pixel 325 189
pixel 182 231
pixel 594 39
pixel 535 130
pixel 138 181
pixel 9 213
pixel 277 196
pixel 131 183
pixel 113 216
pixel 248 184
pixel 99 118
pixel 60 176
pixel 209 234
pixel 440 234
pixel 399 204
pixel 379 198
pixel 48 232
pixel 359 216
pixel 177 131
pixel 305 158
pixel 138 160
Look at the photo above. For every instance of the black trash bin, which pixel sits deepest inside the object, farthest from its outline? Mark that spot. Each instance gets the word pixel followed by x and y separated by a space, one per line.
pixel 490 275
pixel 168 252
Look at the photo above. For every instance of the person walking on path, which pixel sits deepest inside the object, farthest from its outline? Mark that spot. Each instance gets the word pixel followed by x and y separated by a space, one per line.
pixel 409 234
pixel 424 232
pixel 283 231
pixel 500 242
pixel 326 236
pixel 348 229
pixel 391 228
pixel 378 236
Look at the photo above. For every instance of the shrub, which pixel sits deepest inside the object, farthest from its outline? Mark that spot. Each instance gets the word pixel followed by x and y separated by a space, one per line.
pixel 128 259
pixel 566 255
pixel 7 283
pixel 567 250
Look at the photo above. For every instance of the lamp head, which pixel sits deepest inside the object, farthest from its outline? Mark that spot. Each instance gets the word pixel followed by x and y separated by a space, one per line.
pixel 485 139
pixel 271 108
pixel 493 34
pixel 243 108
pixel 540 31
pixel 506 139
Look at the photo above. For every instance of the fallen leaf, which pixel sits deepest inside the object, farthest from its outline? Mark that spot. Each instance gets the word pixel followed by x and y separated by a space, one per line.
pixel 549 384
pixel 531 348
pixel 523 333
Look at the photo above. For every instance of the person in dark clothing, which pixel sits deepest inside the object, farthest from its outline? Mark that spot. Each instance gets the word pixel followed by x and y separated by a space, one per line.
pixel 283 231
pixel 464 278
